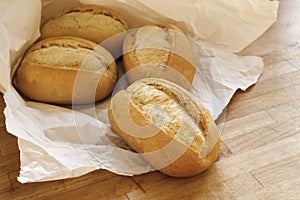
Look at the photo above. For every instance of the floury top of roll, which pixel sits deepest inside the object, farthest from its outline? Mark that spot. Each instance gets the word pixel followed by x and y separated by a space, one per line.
pixel 91 22
pixel 66 70
pixel 161 51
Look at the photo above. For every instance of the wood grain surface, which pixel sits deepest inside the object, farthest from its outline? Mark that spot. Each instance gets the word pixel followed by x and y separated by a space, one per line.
pixel 260 143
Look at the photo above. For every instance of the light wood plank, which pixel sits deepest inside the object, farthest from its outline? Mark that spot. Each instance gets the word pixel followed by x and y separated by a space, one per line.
pixel 276 67
pixel 288 126
pixel 9 164
pixel 285 148
pixel 193 188
pixel 279 179
pixel 90 178
pixel 2 105
pixel 12 175
pixel 276 192
pixel 9 149
pixel 223 170
pixel 34 191
pixel 31 190
pixel 6 138
pixel 230 189
pixel 149 180
pixel 282 171
pixel 239 109
pixel 263 136
pixel 251 140
pixel 225 152
pixel 285 111
pixel 292 54
pixel 113 188
pixel 4 184
pixel 272 84
pixel 2 122
pixel 246 124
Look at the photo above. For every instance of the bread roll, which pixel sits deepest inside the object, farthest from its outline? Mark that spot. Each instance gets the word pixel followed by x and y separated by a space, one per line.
pixel 161 51
pixel 164 123
pixel 90 22
pixel 49 71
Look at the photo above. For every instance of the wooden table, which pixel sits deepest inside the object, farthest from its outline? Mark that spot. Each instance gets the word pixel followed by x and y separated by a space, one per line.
pixel 260 151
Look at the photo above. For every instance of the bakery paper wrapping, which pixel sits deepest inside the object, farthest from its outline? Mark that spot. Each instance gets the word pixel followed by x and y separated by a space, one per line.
pixel 58 142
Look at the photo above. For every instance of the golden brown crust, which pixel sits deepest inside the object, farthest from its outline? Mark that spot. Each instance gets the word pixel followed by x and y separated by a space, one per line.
pixel 161 148
pixel 91 22
pixel 49 71
pixel 178 57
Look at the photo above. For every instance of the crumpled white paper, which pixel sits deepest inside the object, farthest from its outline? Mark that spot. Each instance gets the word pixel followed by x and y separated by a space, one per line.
pixel 57 143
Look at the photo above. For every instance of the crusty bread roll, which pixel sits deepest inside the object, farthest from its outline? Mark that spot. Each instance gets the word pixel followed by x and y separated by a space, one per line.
pixel 49 71
pixel 161 51
pixel 163 122
pixel 90 22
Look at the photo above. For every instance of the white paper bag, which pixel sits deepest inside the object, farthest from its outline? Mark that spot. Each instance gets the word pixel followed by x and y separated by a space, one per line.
pixel 56 142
